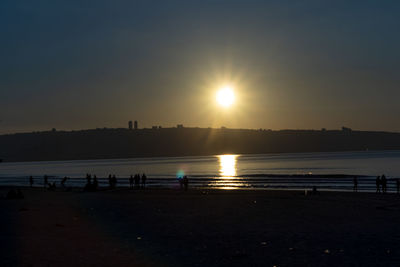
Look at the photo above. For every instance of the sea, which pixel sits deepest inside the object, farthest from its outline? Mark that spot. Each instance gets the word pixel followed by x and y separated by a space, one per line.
pixel 291 171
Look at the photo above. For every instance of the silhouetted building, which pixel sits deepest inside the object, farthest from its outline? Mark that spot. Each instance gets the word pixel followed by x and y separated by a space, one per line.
pixel 346 130
pixel 179 126
pixel 136 125
pixel 130 125
pixel 154 127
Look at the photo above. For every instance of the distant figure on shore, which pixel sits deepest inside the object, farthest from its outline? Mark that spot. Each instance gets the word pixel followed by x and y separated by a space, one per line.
pixel 89 178
pixel 91 186
pixel 63 181
pixel 114 181
pixel 131 182
pixel 95 183
pixel 31 180
pixel 45 181
pixel 180 182
pixel 355 184
pixel 144 180
pixel 137 181
pixel 185 182
pixel 384 183
pixel 110 180
pixel 378 184
pixel 88 186
pixel 314 190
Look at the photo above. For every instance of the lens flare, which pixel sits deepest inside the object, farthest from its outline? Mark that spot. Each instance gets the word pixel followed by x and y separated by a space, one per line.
pixel 180 174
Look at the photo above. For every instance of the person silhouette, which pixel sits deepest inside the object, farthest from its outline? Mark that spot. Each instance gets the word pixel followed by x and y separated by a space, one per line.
pixel 180 182
pixel 114 181
pixel 378 184
pixel 137 180
pixel 144 180
pixel 185 182
pixel 355 184
pixel 95 183
pixel 63 181
pixel 384 183
pixel 131 182
pixel 314 190
pixel 45 181
pixel 110 181
pixel 398 185
pixel 31 180
pixel 89 179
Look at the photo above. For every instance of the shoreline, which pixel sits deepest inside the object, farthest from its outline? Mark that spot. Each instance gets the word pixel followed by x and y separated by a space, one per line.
pixel 201 190
pixel 175 188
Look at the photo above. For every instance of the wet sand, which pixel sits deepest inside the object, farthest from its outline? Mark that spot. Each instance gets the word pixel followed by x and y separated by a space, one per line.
pixel 161 227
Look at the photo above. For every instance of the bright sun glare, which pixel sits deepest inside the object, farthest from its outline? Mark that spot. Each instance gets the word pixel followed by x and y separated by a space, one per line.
pixel 225 96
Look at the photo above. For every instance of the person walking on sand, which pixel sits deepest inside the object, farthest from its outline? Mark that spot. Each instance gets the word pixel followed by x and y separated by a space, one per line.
pixel 31 180
pixel 378 184
pixel 384 183
pixel 131 182
pixel 45 181
pixel 144 180
pixel 355 184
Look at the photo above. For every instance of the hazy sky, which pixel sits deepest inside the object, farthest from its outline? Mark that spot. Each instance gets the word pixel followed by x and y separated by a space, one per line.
pixel 294 64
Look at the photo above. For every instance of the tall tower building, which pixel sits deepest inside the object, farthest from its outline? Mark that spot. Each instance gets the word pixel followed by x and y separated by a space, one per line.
pixel 136 125
pixel 130 125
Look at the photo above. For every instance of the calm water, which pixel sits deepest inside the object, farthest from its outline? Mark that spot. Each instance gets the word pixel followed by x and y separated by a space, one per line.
pixel 292 171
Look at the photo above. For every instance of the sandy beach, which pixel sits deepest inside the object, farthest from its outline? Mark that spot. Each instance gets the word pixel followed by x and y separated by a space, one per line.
pixel 162 227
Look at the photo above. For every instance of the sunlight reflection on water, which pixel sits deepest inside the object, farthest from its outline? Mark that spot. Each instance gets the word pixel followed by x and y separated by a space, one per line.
pixel 227 166
pixel 228 172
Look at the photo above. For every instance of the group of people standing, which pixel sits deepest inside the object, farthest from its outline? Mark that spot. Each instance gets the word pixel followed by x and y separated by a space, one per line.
pixel 381 183
pixel 91 185
pixel 134 181
pixel 184 183
pixel 112 181
pixel 46 183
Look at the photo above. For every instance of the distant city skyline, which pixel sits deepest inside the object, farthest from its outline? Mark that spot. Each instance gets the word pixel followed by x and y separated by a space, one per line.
pixel 134 125
pixel 293 65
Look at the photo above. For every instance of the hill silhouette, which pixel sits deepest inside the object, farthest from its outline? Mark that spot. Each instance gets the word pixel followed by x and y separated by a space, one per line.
pixel 124 143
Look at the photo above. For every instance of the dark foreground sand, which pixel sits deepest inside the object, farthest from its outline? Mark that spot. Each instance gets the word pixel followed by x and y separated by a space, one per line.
pixel 199 228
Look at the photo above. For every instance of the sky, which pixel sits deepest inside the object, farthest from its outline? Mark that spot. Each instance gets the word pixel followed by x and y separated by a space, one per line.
pixel 292 64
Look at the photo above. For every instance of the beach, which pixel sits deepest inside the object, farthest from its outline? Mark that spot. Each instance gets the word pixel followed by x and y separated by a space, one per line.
pixel 167 227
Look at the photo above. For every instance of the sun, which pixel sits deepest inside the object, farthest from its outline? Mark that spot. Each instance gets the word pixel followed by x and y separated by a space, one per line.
pixel 225 96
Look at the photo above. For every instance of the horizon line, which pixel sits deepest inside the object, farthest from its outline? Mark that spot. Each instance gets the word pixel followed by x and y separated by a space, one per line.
pixel 180 127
